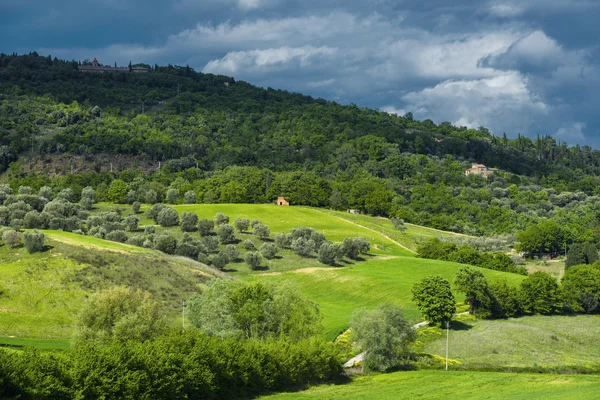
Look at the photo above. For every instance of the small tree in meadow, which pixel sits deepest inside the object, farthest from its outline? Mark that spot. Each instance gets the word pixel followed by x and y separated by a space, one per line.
pixel 168 217
pixel 189 197
pixel 33 241
pixel 219 260
pixel 221 219
pixel 327 253
pixel 165 243
pixel 253 259
pixel 206 227
pixel 232 252
pixel 262 231
pixel 225 233
pixel 136 207
pixel 189 221
pixel 172 196
pixel 249 245
pixel 268 250
pixel 434 299
pixel 241 224
pixel 11 238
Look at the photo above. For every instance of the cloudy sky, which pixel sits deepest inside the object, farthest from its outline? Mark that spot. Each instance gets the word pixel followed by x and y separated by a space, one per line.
pixel 515 66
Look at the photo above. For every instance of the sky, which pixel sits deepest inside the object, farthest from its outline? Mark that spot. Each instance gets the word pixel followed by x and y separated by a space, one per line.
pixel 514 66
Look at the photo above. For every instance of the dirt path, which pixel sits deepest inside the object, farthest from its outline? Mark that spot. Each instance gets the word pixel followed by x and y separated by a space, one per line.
pixel 372 230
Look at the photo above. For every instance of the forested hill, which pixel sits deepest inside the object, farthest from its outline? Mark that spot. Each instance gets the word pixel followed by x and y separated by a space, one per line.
pixel 226 122
pixel 233 142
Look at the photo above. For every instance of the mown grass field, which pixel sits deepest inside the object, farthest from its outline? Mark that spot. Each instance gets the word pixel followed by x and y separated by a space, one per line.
pixel 433 385
pixel 538 342
pixel 41 344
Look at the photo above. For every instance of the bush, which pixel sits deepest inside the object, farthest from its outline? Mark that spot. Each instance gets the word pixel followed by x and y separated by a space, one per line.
pixel 189 221
pixel 241 224
pixel 131 197
pixel 17 223
pixel 45 192
pixel 231 252
pixel 221 219
pixel 34 219
pixel 248 245
pixel 283 240
pixel 66 194
pixel 268 250
pixel 225 233
pixel 219 260
pixel 136 207
pixel 189 197
pixel 255 222
pixel 168 217
pixel 506 300
pixel 434 299
pixel 117 192
pixel 172 196
pixel 132 222
pixel 117 236
pixel 206 227
pixel 540 294
pixel 34 241
pixel 150 229
pixel 151 197
pixel 153 212
pixel 165 243
pixel 11 238
pixel 253 259
pixel 399 224
pixel 211 244
pixel 581 288
pixel 303 247
pixel 137 240
pixel 473 284
pixel 187 250
pixel 327 254
pixel 384 334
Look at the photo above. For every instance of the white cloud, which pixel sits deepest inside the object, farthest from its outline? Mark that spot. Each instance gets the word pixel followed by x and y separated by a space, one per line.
pixel 267 59
pixel 505 10
pixel 501 102
pixel 322 83
pixel 572 132
pixel 394 110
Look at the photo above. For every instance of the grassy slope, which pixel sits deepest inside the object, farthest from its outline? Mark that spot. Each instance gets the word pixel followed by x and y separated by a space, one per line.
pixel 528 342
pixel 456 385
pixel 42 292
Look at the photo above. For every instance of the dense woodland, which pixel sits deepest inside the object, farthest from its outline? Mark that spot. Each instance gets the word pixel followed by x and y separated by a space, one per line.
pixel 238 143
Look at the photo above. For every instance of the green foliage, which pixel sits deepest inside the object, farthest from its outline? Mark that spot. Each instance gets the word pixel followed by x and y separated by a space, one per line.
pixel 262 231
pixel 221 219
pixel 33 241
pixel 249 245
pixel 241 224
pixel 11 238
pixel 219 260
pixel 206 227
pixel 268 250
pixel 167 217
pixel 578 253
pixel 506 299
pixel 544 237
pixel 232 252
pixel 165 243
pixel 255 311
pixel 473 284
pixel 119 314
pixel 117 192
pixel 303 247
pixel 580 288
pixel 189 197
pixel 189 221
pixel 540 294
pixel 117 236
pixel 135 206
pixel 434 299
pixel 226 234
pixel 172 196
pixel 384 334
pixel 253 259
pixel 328 253
pixel 132 222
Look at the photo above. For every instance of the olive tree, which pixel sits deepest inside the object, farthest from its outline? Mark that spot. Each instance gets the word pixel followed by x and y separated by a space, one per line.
pixel 268 250
pixel 225 233
pixel 189 197
pixel 241 224
pixel 189 221
pixel 221 219
pixel 11 238
pixel 172 196
pixel 33 241
pixel 167 217
pixel 262 231
pixel 253 259
pixel 206 227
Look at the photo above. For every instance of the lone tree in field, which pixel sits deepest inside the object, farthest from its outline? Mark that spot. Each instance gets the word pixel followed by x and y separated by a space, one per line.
pixel 34 241
pixel 384 334
pixel 434 299
pixel 262 231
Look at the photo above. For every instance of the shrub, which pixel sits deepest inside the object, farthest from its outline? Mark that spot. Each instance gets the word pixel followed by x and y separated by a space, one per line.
pixel 473 284
pixel 255 222
pixel 399 224
pixel 11 238
pixel 165 243
pixel 327 253
pixel 349 248
pixel 219 260
pixel 540 294
pixel 241 224
pixel 150 229
pixel 45 192
pixel 211 244
pixel 167 217
pixel 248 245
pixel 117 192
pixel 283 240
pixel 172 196
pixel 151 197
pixel 131 197
pixel 384 334
pixel 34 219
pixel 117 236
pixel 303 247
pixel 221 219
pixel 4 216
pixel 262 231
pixel 25 190
pixel 136 207
pixel 88 193
pixel 86 203
pixel 189 197
pixel 253 259
pixel 206 227
pixel 231 252
pixel 132 222
pixel 17 223
pixel 362 245
pixel 189 221
pixel 581 288
pixel 506 300
pixel 226 234
pixel 187 250
pixel 66 194
pixel 268 250
pixel 434 299
pixel 153 212
pixel 33 241
pixel 137 240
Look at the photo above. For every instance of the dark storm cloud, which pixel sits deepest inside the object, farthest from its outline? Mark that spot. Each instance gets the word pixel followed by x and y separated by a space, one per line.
pixel 528 66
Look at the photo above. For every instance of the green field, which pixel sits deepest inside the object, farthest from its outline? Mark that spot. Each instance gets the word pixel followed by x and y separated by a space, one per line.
pixel 538 342
pixel 41 344
pixel 455 385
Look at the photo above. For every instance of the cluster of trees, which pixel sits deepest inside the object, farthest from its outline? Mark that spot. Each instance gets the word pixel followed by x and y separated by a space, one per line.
pixel 123 349
pixel 448 251
pixel 538 293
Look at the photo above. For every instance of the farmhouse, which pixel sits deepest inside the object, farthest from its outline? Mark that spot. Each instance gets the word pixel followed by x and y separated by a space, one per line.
pixel 97 67
pixel 481 170
pixel 281 201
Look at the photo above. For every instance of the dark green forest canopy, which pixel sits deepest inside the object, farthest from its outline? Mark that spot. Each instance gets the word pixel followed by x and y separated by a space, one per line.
pixel 230 141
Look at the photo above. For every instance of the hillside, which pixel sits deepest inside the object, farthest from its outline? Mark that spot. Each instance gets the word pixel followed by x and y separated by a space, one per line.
pixel 237 143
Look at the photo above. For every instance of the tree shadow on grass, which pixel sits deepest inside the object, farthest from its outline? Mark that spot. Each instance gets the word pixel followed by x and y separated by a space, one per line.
pixel 260 268
pixel 46 248
pixel 229 270
pixel 460 326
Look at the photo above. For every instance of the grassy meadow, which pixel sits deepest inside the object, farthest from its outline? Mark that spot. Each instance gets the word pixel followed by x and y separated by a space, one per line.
pixel 459 385
pixel 526 343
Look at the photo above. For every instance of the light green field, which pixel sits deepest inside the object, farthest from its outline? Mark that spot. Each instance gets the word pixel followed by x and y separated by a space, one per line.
pixel 41 344
pixel 538 342
pixel 433 385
